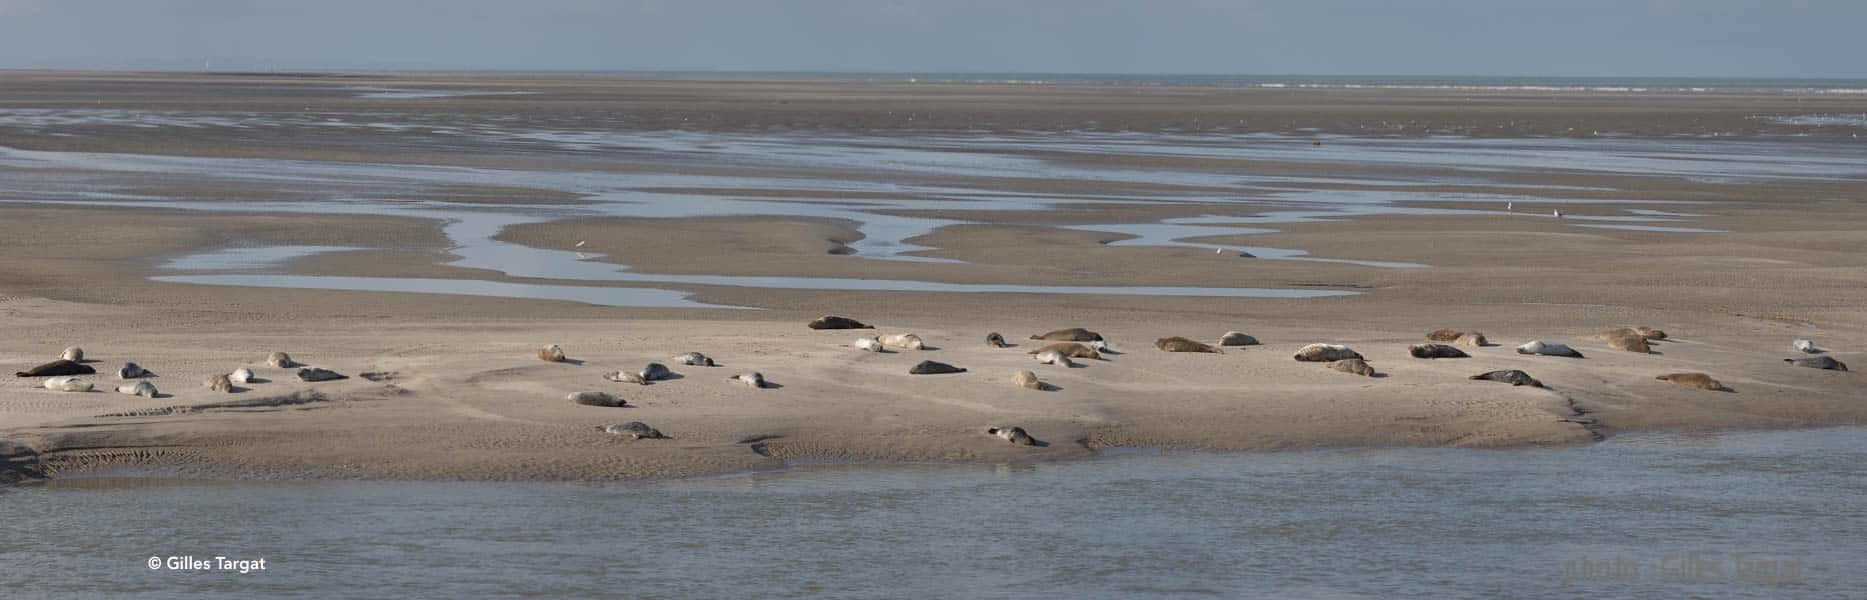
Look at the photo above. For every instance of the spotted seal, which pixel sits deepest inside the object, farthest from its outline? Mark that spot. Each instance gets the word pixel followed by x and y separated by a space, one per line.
pixel 140 388
pixel 654 372
pixel 1180 344
pixel 1444 335
pixel 693 359
pixel 1693 380
pixel 599 399
pixel 1353 366
pixel 868 344
pixel 1234 338
pixel 1325 353
pixel 73 354
pixel 1463 338
pixel 1024 378
pixel 905 341
pixel 1070 349
pixel 754 379
pixel 67 384
pixel 281 360
pixel 929 367
pixel 995 340
pixel 218 383
pixel 1513 377
pixel 836 322
pixel 621 377
pixel 1015 435
pixel 636 430
pixel 1818 362
pixel 315 375
pixel 1547 348
pixel 58 367
pixel 551 353
pixel 132 371
pixel 1630 343
pixel 1055 358
pixel 1073 334
pixel 1436 351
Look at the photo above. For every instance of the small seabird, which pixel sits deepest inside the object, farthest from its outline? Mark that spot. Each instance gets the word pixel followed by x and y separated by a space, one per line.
pixel 1510 207
pixel 579 243
pixel 1557 213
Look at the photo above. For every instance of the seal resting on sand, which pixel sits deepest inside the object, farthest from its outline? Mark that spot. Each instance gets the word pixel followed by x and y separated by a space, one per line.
pixel 655 372
pixel 1476 340
pixel 140 388
pixel 73 354
pixel 995 340
pixel 1015 435
pixel 57 367
pixel 636 430
pixel 1070 349
pixel 602 399
pixel 621 377
pixel 1630 343
pixel 1463 338
pixel 693 359
pixel 1073 334
pixel 1353 366
pixel 868 344
pixel 1818 362
pixel 1548 349
pixel 281 360
pixel 1233 338
pixel 67 384
pixel 1804 346
pixel 1693 380
pixel 928 367
pixel 1444 335
pixel 218 383
pixel 316 375
pixel 1436 351
pixel 551 353
pixel 241 375
pixel 1054 357
pixel 835 322
pixel 1325 353
pixel 1513 377
pixel 754 379
pixel 1180 344
pixel 1024 378
pixel 132 371
pixel 906 341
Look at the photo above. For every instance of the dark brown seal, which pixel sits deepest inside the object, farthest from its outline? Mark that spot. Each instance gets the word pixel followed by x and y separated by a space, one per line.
pixel 57 367
pixel 836 322
pixel 1513 377
pixel 1435 351
pixel 928 367
pixel 1693 380
pixel 1180 344
pixel 1073 334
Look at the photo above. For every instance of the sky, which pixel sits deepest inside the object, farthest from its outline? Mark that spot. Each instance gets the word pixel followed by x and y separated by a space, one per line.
pixel 1587 38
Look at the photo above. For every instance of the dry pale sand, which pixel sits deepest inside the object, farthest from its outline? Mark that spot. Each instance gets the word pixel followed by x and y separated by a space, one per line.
pixel 464 398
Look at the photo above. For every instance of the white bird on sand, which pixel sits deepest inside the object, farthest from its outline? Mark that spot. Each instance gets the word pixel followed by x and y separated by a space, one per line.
pixel 1510 206
pixel 579 243
pixel 1558 213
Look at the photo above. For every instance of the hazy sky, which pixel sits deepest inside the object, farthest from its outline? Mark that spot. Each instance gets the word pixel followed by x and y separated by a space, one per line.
pixel 1765 38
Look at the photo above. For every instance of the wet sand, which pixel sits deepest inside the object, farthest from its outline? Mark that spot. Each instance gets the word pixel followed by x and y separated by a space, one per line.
pixel 468 401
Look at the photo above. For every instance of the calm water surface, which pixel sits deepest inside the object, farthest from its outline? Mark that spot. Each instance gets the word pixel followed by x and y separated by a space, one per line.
pixel 1741 515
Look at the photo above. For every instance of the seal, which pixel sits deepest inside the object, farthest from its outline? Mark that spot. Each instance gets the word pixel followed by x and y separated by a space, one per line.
pixel 1024 378
pixel 869 344
pixel 1463 338
pixel 316 375
pixel 621 377
pixel 241 375
pixel 1070 349
pixel 1102 346
pixel 1073 334
pixel 1645 333
pixel 218 383
pixel 132 371
pixel 1818 362
pixel 906 341
pixel 73 354
pixel 67 384
pixel 754 379
pixel 1325 353
pixel 602 399
pixel 1444 335
pixel 1693 380
pixel 995 340
pixel 1804 346
pixel 928 367
pixel 1015 435
pixel 836 322
pixel 636 430
pixel 1233 338
pixel 57 367
pixel 1474 339
pixel 1513 377
pixel 1353 366
pixel 1436 351
pixel 551 353
pixel 281 360
pixel 654 372
pixel 1180 344
pixel 140 388
pixel 1630 343
pixel 693 359
pixel 1055 358
pixel 1547 349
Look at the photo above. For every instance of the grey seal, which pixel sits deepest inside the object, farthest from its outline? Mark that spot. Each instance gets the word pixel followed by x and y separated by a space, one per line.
pixel 1233 338
pixel 1180 344
pixel 655 372
pixel 1054 357
pixel 1024 378
pixel 218 383
pixel 132 371
pixel 315 375
pixel 67 384
pixel 1353 366
pixel 906 341
pixel 636 430
pixel 754 379
pixel 241 375
pixel 694 359
pixel 73 354
pixel 1070 349
pixel 929 367
pixel 602 399
pixel 1435 351
pixel 1015 435
pixel 868 344
pixel 140 388
pixel 551 353
pixel 1325 353
pixel 58 367
pixel 1513 377
pixel 1818 362
pixel 836 322
pixel 1073 334
pixel 1629 342
pixel 1548 349
pixel 281 360
pixel 995 340
pixel 1693 380
pixel 1804 346
pixel 621 377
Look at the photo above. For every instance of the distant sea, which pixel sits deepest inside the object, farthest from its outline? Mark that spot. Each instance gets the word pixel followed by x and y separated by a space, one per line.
pixel 1604 84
